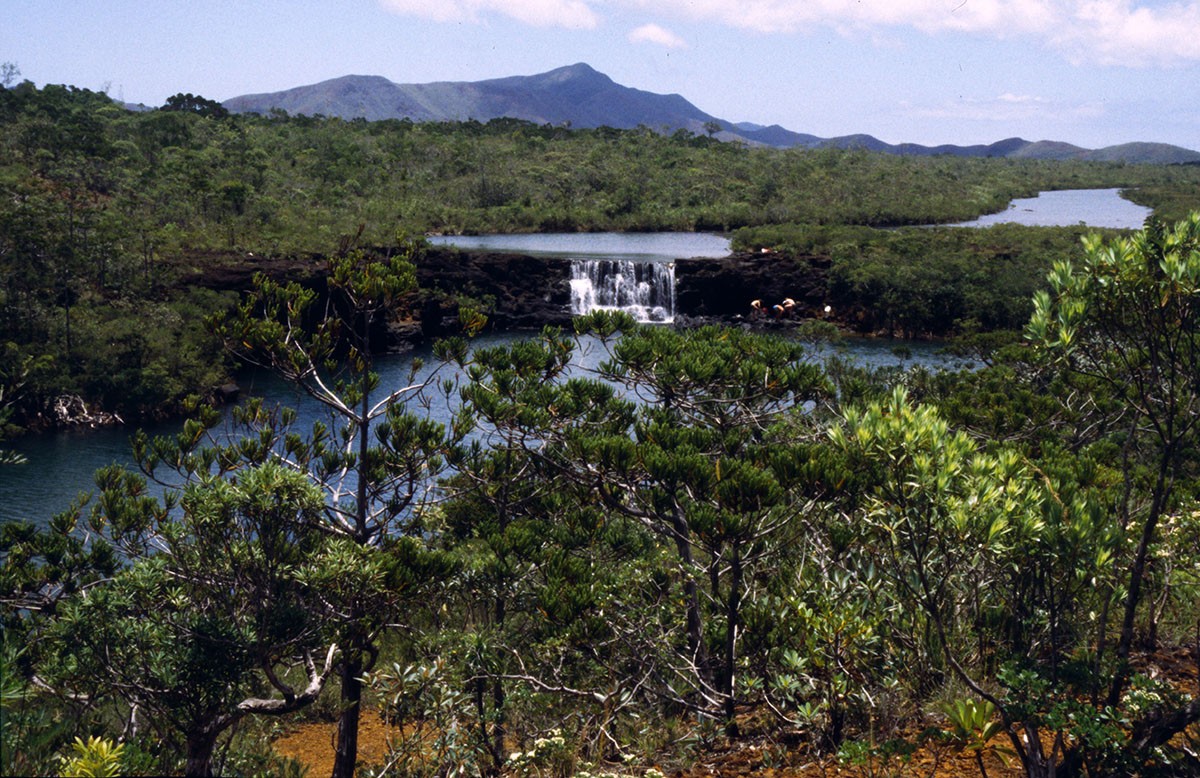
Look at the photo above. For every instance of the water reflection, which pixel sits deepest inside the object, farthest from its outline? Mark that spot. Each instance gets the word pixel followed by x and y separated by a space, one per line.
pixel 641 246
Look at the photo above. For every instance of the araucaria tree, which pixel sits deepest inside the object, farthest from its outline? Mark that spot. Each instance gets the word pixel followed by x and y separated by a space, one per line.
pixel 702 453
pixel 710 466
pixel 373 463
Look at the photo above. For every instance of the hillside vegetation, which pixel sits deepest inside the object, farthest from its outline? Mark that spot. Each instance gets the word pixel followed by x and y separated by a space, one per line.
pixel 710 543
pixel 102 209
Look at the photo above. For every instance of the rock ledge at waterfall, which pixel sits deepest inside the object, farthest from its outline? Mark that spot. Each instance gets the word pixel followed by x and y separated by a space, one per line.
pixel 516 291
pixel 722 289
pixel 522 292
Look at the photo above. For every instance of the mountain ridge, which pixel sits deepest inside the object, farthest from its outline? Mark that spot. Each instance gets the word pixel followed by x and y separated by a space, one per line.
pixel 580 96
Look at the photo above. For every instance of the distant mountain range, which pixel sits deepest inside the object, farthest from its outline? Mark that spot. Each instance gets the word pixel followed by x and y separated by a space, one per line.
pixel 580 96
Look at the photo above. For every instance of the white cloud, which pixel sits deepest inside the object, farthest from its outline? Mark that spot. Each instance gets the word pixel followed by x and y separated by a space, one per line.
pixel 652 33
pixel 1115 32
pixel 572 14
pixel 1120 32
pixel 1130 32
pixel 1007 108
pixel 786 16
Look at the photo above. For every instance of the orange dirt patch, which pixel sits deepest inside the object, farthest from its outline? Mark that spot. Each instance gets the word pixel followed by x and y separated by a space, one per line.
pixel 312 745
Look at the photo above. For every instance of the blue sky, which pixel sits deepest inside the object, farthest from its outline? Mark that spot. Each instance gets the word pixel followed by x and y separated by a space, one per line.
pixel 1089 72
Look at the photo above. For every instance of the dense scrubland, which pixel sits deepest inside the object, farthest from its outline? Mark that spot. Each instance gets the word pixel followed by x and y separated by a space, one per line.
pixel 712 543
pixel 105 209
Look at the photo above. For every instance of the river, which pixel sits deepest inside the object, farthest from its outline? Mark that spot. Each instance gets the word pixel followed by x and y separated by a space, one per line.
pixel 631 272
pixel 60 465
pixel 1066 208
pixel 644 246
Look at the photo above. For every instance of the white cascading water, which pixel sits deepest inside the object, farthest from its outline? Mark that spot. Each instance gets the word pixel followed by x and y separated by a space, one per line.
pixel 645 290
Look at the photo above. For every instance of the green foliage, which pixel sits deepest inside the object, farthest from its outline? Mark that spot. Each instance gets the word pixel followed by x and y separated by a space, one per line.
pixel 195 104
pixel 704 464
pixel 550 757
pixel 95 758
pixel 373 462
pixel 44 565
pixel 31 725
pixel 102 209
pixel 919 282
pixel 1129 319
pixel 1171 203
pixel 973 727
pixel 973 721
pixel 437 733
pixel 184 633
pixel 877 759
pixel 946 513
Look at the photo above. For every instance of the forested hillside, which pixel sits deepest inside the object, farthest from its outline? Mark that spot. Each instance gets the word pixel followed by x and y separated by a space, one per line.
pixel 104 209
pixel 713 548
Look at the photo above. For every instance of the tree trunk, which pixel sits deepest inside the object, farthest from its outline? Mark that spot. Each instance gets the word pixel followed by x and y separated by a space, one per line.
pixel 500 730
pixel 346 755
pixel 1137 571
pixel 691 594
pixel 1160 726
pixel 67 327
pixel 200 746
pixel 732 609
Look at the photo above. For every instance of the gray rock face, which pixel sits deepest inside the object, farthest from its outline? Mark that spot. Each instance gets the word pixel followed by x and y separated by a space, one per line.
pixel 523 292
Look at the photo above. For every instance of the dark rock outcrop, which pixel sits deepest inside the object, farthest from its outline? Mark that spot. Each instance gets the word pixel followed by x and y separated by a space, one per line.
pixel 235 271
pixel 515 291
pixel 722 289
pixel 521 292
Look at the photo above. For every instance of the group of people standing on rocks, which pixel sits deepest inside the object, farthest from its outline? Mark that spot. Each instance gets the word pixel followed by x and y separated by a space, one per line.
pixel 781 310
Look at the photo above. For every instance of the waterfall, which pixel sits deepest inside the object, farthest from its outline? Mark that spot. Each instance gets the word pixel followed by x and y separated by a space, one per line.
pixel 645 290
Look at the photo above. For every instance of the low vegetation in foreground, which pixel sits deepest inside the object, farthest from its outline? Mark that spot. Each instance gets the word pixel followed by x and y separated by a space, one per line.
pixel 711 543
